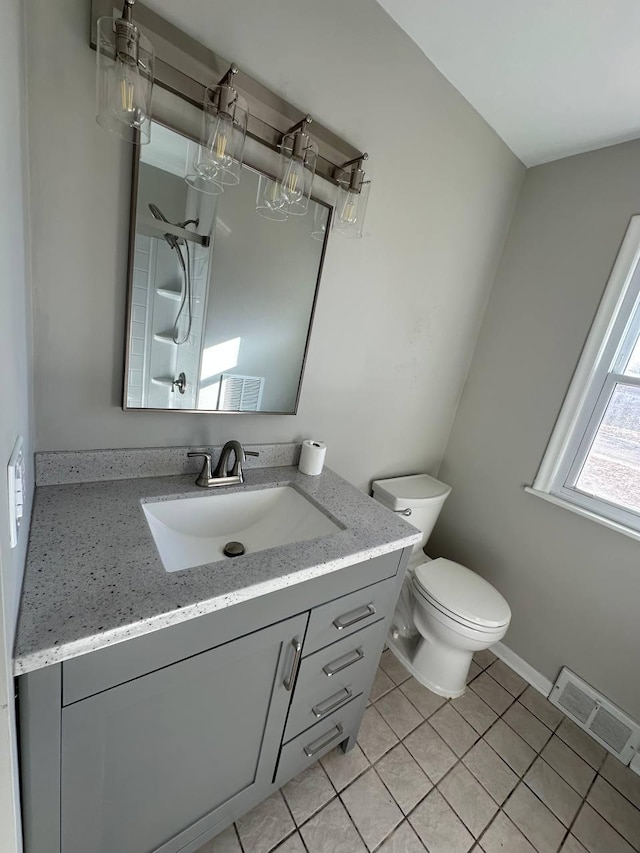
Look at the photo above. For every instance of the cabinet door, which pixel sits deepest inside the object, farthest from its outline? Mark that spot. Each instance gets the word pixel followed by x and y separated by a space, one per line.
pixel 154 763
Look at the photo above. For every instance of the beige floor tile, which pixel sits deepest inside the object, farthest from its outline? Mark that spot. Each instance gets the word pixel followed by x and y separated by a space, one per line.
pixel 403 777
pixel 225 842
pixel 616 810
pixel 492 693
pixel 430 751
pixel 541 707
pixel 293 844
pixel 484 658
pixel 509 679
pixel 372 808
pixel 527 726
pixel 504 837
pixel 622 778
pixel 403 840
pixel 375 736
pixel 381 684
pixel 510 747
pixel 534 820
pixel 474 670
pixel 438 827
pixel 570 766
pixel 342 768
pixel 582 743
pixel 491 771
pixel 454 729
pixel 308 792
pixel 399 712
pixel 266 825
pixel 554 792
pixel 468 799
pixel 331 831
pixel 424 700
pixel 393 668
pixel 596 834
pixel 475 711
pixel 572 845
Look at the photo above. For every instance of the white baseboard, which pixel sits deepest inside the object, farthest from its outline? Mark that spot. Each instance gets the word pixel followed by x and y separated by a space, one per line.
pixel 536 679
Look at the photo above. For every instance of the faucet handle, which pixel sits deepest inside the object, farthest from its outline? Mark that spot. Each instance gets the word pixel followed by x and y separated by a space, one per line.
pixel 205 475
pixel 251 453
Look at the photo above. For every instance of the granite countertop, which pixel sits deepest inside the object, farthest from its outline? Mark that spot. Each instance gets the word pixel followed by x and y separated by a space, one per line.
pixel 94 576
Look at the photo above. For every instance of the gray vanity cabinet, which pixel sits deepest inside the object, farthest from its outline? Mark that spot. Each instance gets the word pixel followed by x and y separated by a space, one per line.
pixel 215 719
pixel 156 744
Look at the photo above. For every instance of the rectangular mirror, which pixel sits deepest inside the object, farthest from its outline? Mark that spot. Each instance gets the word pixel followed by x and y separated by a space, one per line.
pixel 221 299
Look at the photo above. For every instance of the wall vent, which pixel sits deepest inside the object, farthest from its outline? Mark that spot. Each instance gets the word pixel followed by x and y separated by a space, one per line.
pixel 240 393
pixel 600 718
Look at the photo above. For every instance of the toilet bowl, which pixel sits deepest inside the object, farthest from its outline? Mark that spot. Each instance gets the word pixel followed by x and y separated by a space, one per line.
pixel 445 611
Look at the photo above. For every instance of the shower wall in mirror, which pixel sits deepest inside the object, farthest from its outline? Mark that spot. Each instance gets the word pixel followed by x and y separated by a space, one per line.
pixel 221 299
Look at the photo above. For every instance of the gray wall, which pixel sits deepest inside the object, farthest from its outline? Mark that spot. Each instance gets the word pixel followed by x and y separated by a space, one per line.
pixel 15 357
pixel 573 585
pixel 398 311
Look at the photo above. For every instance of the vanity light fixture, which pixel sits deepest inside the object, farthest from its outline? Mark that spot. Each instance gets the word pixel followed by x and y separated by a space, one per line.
pixel 290 192
pixel 352 195
pixel 124 79
pixel 298 155
pixel 218 158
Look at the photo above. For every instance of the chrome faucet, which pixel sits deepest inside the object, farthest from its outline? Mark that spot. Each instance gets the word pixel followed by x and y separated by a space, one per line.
pixel 222 476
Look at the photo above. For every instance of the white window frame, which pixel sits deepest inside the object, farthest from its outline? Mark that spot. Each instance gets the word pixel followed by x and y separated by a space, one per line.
pixel 603 358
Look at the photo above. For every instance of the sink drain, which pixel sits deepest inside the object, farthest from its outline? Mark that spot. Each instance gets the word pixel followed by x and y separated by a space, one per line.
pixel 233 549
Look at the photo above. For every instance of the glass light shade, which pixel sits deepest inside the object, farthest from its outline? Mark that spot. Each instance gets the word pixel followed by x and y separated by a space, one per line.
pixel 298 156
pixel 124 83
pixel 350 208
pixel 218 158
pixel 270 202
pixel 320 222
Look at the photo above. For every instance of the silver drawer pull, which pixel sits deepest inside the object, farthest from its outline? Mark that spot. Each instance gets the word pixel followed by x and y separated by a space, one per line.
pixel 354 616
pixel 332 702
pixel 297 653
pixel 343 662
pixel 325 740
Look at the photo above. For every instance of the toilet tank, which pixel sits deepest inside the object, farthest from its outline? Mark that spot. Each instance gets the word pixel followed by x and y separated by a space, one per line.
pixel 423 495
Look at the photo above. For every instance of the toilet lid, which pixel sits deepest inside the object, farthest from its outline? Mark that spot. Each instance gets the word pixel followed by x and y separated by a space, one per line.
pixel 463 592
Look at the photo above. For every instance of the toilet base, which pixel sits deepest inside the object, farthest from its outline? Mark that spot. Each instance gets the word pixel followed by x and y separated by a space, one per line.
pixel 444 673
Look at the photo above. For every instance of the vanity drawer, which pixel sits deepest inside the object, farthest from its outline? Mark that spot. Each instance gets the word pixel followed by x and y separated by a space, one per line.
pixel 331 677
pixel 307 748
pixel 344 616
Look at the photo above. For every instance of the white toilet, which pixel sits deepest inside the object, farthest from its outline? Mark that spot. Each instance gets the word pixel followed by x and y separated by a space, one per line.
pixel 445 612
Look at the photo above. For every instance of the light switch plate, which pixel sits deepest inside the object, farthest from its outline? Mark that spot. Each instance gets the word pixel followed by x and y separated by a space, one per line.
pixel 17 488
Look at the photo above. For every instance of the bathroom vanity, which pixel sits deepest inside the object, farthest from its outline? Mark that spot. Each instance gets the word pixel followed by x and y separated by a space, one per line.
pixel 157 707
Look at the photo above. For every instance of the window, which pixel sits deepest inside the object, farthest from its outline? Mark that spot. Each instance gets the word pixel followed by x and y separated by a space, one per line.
pixel 592 463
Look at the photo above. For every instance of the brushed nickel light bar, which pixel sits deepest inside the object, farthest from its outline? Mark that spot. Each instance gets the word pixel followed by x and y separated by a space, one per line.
pixel 187 68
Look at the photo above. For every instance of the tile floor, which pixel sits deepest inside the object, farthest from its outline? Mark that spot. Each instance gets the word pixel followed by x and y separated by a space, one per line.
pixel 500 769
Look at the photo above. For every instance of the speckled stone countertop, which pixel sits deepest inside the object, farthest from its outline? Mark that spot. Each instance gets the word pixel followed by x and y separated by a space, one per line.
pixel 94 576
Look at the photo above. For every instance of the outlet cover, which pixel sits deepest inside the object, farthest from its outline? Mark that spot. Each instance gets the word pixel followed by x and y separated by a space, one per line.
pixel 17 487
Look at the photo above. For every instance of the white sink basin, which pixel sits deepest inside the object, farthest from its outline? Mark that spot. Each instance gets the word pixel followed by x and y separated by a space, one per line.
pixel 193 531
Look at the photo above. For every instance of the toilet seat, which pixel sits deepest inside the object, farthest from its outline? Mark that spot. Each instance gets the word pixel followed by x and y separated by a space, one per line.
pixel 461 595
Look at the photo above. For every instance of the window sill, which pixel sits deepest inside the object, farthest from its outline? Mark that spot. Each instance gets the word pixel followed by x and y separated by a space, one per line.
pixel 585 513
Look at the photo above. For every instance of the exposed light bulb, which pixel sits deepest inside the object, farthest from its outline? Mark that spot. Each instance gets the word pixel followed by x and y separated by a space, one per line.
pixel 126 75
pixel 220 141
pixel 293 181
pixel 348 213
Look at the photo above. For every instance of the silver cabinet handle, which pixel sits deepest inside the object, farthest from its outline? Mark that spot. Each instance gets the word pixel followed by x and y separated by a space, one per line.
pixel 343 662
pixel 323 741
pixel 297 654
pixel 333 702
pixel 354 616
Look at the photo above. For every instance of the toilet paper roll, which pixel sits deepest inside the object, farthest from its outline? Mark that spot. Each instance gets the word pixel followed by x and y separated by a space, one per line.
pixel 312 457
